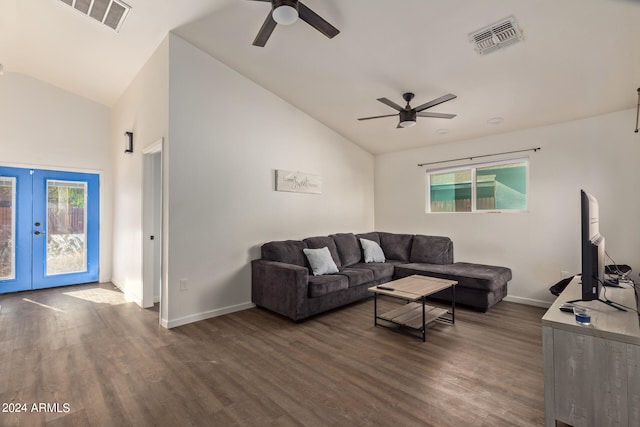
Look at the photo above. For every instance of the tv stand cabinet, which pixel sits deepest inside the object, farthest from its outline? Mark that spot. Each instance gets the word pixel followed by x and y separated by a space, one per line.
pixel 592 373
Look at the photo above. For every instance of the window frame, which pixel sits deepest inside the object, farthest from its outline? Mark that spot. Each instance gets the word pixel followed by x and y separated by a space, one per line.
pixel 473 167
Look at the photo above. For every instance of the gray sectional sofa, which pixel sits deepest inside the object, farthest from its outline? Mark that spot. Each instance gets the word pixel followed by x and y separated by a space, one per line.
pixel 282 280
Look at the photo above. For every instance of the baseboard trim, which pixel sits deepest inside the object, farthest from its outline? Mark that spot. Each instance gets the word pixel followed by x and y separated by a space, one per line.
pixel 205 315
pixel 528 301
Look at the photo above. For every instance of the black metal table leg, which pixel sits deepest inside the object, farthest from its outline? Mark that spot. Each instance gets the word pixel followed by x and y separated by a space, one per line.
pixel 453 304
pixel 375 309
pixel 424 327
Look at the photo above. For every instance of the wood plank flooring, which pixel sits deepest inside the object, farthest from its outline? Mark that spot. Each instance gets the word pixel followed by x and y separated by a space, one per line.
pixel 113 365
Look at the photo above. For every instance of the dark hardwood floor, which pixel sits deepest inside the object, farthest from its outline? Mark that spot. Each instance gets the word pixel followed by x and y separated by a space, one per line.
pixel 100 361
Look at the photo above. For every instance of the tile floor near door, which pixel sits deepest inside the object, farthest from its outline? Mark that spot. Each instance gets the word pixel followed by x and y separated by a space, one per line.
pixel 98 360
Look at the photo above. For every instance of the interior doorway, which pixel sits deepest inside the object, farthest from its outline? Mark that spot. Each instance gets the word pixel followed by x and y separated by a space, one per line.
pixel 152 226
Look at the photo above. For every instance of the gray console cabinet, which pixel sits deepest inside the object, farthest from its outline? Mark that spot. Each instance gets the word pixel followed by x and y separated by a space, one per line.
pixel 592 373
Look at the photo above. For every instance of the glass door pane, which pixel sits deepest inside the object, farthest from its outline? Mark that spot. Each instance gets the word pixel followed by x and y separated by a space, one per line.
pixel 7 228
pixel 66 227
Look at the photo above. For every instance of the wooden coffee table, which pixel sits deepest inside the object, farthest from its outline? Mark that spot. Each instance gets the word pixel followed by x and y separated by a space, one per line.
pixel 415 315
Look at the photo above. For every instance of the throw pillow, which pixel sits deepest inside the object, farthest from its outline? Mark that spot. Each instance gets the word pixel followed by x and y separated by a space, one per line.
pixel 372 251
pixel 320 261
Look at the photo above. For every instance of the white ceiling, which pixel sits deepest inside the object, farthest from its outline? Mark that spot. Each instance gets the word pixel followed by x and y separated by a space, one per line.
pixel 50 41
pixel 579 58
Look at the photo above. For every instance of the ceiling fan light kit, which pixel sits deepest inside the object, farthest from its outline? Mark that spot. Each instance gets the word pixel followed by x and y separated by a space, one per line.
pixel 407 118
pixel 285 12
pixel 407 124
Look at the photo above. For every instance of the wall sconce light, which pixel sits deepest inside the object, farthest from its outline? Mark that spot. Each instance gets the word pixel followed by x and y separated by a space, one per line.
pixel 129 147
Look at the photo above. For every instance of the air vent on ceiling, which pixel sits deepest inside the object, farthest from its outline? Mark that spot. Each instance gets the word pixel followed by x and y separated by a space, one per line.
pixel 496 36
pixel 109 12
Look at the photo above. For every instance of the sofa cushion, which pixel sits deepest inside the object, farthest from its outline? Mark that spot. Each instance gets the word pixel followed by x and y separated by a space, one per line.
pixel 373 236
pixel 348 248
pixel 321 242
pixel 396 246
pixel 372 252
pixel 322 285
pixel 431 249
pixel 357 276
pixel 381 271
pixel 475 276
pixel 320 261
pixel 288 251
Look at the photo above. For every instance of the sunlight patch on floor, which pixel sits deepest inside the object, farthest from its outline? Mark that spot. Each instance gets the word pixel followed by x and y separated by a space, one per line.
pixel 42 305
pixel 98 295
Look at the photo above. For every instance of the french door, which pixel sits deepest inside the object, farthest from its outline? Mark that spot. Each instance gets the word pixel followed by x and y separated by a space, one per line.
pixel 49 228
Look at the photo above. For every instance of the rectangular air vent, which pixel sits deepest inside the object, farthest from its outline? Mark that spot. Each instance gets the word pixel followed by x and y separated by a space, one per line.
pixel 109 12
pixel 495 36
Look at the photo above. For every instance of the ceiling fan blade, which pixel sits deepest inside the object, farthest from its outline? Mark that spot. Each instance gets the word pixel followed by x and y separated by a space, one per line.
pixel 313 19
pixel 435 102
pixel 436 115
pixel 390 104
pixel 265 32
pixel 378 117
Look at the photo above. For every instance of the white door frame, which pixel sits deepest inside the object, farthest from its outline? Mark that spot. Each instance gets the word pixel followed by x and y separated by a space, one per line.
pixel 152 225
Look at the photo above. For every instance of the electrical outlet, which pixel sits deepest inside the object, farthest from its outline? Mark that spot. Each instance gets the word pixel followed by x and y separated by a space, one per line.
pixel 183 284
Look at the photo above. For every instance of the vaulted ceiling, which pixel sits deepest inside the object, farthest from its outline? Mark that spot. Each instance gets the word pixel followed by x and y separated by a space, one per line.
pixel 578 58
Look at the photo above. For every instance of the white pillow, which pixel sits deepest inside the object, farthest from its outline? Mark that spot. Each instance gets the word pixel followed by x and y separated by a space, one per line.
pixel 320 261
pixel 372 251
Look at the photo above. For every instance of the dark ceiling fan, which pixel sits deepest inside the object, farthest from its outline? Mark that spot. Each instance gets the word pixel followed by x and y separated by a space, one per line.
pixel 408 115
pixel 286 12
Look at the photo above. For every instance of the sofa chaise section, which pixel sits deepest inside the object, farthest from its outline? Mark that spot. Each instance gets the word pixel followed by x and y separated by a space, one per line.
pixel 479 286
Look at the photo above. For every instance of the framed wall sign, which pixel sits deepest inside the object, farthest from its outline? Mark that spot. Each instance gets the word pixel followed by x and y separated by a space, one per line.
pixel 298 182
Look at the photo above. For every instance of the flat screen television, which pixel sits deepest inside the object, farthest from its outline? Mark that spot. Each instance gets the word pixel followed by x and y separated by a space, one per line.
pixel 592 244
pixel 593 253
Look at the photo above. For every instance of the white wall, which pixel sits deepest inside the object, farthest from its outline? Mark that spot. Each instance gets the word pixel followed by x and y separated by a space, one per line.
pixel 227 136
pixel 44 127
pixel 598 154
pixel 143 109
